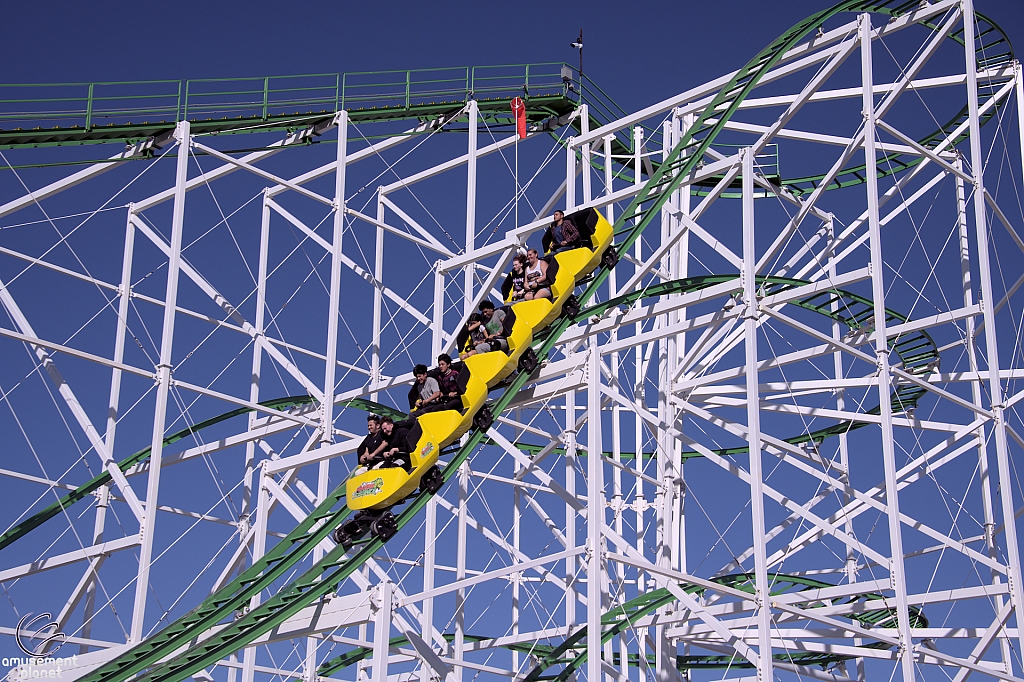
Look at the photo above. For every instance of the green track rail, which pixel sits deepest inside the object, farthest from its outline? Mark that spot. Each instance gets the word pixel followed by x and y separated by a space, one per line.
pixel 39 115
pixel 324 577
pixel 572 653
pixel 94 484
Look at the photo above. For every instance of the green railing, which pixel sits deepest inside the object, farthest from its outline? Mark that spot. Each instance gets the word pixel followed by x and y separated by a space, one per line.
pixel 88 105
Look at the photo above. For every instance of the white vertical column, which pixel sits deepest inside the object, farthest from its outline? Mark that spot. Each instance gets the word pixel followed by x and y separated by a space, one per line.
pixel 570 512
pixel 855 666
pixel 896 568
pixel 249 660
pixel 1018 77
pixel 618 499
pixel 609 177
pixel 378 295
pixel 327 415
pixel 762 587
pixel 113 413
pixel 471 204
pixel 595 514
pixel 437 321
pixel 312 643
pixel 585 154
pixel 1006 481
pixel 257 364
pixel 460 569
pixel 639 391
pixel 259 548
pixel 570 175
pixel 639 386
pixel 667 472
pixel 680 269
pixel 984 474
pixel 164 384
pixel 517 537
pixel 381 630
pixel 123 305
pixel 429 578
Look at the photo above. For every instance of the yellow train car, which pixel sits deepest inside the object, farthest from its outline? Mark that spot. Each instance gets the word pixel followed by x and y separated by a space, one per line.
pixel 371 492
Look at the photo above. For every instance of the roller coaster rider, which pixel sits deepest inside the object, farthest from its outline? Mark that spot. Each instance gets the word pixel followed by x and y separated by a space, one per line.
pixel 514 288
pixel 373 444
pixel 538 284
pixel 448 382
pixel 425 395
pixel 561 235
pixel 395 450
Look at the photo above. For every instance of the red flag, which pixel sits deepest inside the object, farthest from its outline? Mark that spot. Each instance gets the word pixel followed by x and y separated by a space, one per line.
pixel 519 111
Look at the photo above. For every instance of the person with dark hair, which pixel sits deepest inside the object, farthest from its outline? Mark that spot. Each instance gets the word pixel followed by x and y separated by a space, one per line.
pixel 394 450
pixel 428 390
pixel 493 334
pixel 448 381
pixel 373 444
pixel 472 334
pixel 561 235
pixel 514 288
pixel 537 284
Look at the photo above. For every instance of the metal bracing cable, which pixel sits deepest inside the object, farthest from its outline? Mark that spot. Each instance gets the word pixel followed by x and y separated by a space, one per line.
pixel 389 167
pixel 231 536
pixel 66 216
pixel 71 525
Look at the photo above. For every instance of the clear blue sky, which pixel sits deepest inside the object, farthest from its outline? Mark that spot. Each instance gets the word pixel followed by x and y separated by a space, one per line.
pixel 638 52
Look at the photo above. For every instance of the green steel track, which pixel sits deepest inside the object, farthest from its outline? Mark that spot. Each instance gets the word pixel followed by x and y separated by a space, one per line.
pixel 335 567
pixel 917 352
pixel 572 652
pixel 124 465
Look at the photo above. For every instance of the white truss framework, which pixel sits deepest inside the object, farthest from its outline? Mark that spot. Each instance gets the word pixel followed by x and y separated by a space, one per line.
pixel 801 441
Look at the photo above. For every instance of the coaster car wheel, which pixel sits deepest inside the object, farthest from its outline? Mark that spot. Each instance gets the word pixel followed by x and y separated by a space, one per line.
pixel 528 361
pixel 483 419
pixel 610 258
pixel 351 530
pixel 384 526
pixel 432 480
pixel 571 307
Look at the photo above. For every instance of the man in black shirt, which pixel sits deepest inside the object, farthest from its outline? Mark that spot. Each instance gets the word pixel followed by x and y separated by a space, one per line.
pixel 448 383
pixel 396 450
pixel 374 442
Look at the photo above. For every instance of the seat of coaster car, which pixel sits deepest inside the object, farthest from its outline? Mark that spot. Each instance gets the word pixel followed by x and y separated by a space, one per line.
pixel 508 322
pixel 585 222
pixel 552 270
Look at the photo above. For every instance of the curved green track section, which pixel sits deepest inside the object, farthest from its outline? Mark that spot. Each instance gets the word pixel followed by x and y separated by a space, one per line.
pixel 335 567
pixel 572 653
pixel 97 482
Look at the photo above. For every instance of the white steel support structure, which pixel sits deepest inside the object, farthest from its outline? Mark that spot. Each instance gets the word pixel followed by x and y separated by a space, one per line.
pixel 762 586
pixel 818 371
pixel 996 398
pixel 148 530
pixel 896 567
